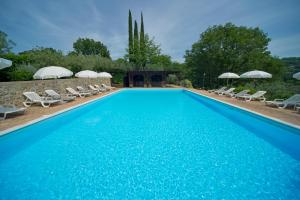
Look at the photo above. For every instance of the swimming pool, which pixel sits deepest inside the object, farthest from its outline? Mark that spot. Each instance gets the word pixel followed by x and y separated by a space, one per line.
pixel 151 144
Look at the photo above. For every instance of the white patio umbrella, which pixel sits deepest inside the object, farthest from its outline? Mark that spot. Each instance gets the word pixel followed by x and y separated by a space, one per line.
pixel 104 75
pixel 256 74
pixel 228 75
pixel 52 72
pixel 5 63
pixel 86 74
pixel 297 76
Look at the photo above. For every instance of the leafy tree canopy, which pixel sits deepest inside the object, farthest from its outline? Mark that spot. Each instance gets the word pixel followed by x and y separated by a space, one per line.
pixel 230 48
pixel 86 46
pixel 42 57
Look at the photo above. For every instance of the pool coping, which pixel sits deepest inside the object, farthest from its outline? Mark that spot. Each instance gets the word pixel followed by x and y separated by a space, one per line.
pixel 276 120
pixel 44 117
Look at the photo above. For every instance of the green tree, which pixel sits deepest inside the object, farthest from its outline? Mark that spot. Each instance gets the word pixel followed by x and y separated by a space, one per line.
pixel 42 57
pixel 142 43
pixel 231 48
pixel 161 60
pixel 136 46
pixel 130 38
pixel 5 44
pixel 86 46
pixel 152 50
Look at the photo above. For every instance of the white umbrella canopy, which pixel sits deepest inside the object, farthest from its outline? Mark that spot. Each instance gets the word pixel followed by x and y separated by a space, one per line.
pixel 86 74
pixel 52 72
pixel 104 75
pixel 297 76
pixel 256 74
pixel 5 63
pixel 228 75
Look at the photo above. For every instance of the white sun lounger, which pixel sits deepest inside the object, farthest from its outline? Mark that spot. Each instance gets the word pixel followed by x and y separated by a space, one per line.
pixel 93 88
pixel 101 89
pixel 227 92
pixel 107 86
pixel 81 89
pixel 298 108
pixel 259 95
pixel 223 89
pixel 55 95
pixel 76 93
pixel 281 103
pixel 10 109
pixel 236 95
pixel 215 90
pixel 34 98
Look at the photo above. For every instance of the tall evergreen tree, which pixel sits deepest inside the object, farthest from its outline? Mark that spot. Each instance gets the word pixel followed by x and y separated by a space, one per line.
pixel 130 38
pixel 136 46
pixel 142 43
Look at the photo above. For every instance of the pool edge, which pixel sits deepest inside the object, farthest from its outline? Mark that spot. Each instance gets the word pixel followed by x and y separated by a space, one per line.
pixel 275 120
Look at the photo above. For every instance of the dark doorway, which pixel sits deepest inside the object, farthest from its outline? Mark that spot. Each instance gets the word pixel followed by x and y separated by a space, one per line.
pixel 138 81
pixel 126 81
pixel 156 81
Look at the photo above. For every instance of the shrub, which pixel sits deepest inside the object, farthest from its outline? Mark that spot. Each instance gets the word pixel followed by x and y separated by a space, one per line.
pixel 118 78
pixel 186 83
pixel 277 89
pixel 22 73
pixel 247 86
pixel 172 79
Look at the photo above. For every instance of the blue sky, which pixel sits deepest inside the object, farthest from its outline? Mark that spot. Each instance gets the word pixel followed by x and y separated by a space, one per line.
pixel 175 24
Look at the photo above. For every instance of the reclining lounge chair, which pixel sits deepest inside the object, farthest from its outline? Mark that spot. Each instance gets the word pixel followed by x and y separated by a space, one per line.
pixel 259 95
pixel 227 92
pixel 34 98
pixel 236 95
pixel 281 103
pixel 81 89
pixel 10 109
pixel 76 93
pixel 64 98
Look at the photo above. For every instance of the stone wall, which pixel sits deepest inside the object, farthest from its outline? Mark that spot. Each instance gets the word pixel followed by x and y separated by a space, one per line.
pixel 11 92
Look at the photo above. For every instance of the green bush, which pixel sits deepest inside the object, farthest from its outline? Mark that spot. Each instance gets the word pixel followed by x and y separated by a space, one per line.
pixel 118 78
pixel 186 83
pixel 277 89
pixel 20 75
pixel 172 79
pixel 22 72
pixel 247 86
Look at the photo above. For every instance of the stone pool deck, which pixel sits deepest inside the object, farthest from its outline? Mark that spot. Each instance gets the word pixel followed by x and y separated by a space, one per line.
pixel 35 112
pixel 287 115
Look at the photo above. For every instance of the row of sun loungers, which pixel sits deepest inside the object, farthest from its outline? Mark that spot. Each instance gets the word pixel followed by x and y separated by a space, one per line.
pixel 259 95
pixel 52 97
pixel 293 101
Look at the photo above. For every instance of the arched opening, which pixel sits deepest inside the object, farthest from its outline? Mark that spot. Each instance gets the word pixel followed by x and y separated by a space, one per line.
pixel 138 81
pixel 156 81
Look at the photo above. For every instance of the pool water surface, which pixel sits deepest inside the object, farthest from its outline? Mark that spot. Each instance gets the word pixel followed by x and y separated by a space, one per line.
pixel 151 144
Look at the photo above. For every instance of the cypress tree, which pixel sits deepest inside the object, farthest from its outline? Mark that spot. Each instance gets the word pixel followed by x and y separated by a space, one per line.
pixel 136 45
pixel 142 43
pixel 130 38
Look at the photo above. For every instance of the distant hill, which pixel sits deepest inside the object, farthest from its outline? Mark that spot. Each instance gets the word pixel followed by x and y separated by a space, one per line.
pixel 293 64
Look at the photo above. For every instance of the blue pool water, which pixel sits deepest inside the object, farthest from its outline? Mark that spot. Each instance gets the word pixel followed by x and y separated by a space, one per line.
pixel 151 144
